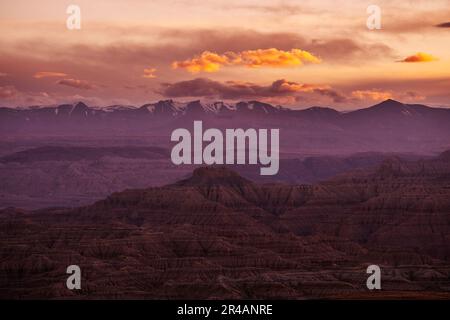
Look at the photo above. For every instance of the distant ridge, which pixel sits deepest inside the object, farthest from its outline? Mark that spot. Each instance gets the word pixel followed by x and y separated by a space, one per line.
pixel 173 108
pixel 389 126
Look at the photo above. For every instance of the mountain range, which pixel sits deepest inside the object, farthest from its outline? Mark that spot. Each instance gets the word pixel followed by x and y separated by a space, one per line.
pixel 389 126
pixel 172 108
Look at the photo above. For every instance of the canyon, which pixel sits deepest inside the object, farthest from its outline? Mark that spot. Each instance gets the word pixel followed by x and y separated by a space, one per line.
pixel 218 235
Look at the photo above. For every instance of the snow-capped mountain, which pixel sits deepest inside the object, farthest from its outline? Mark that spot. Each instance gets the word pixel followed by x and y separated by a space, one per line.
pixel 390 117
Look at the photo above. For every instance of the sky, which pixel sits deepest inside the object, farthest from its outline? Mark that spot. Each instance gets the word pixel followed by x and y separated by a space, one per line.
pixel 296 53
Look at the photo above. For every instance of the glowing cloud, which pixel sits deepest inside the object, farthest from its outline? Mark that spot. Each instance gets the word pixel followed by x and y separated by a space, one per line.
pixel 275 58
pixel 149 73
pixel 420 57
pixel 212 62
pixel 207 62
pixel 372 95
pixel 48 74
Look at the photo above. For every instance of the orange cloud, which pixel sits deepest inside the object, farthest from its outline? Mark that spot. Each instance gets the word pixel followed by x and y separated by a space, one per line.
pixel 212 62
pixel 375 95
pixel 149 73
pixel 47 74
pixel 275 58
pixel 419 57
pixel 207 62
pixel 75 83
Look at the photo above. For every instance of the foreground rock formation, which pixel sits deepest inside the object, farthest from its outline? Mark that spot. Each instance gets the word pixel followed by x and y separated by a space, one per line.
pixel 218 235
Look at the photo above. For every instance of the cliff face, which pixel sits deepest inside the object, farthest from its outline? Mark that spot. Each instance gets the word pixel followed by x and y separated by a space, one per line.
pixel 218 235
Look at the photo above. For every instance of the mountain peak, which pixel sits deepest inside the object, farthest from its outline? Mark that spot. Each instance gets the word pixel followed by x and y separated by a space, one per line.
pixel 80 109
pixel 80 105
pixel 390 103
pixel 320 111
pixel 195 108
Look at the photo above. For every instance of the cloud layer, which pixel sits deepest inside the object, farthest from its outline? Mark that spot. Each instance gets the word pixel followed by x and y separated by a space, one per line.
pixel 235 90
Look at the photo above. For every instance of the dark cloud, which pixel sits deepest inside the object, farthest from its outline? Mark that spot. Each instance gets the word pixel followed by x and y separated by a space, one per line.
pixel 410 21
pixel 333 49
pixel 443 25
pixel 233 90
pixel 280 9
pixel 75 83
pixel 177 44
pixel 335 96
pixel 202 87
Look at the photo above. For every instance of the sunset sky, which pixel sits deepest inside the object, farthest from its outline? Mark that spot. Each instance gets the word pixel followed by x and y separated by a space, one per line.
pixel 296 53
